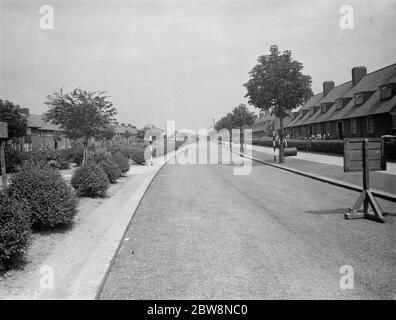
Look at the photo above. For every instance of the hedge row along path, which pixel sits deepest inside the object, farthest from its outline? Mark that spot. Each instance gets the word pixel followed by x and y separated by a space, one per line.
pixel 80 256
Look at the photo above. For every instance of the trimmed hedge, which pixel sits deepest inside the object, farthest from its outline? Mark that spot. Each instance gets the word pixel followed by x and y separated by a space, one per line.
pixel 105 160
pixel 323 146
pixel 15 228
pixel 51 199
pixel 121 161
pixel 111 168
pixel 12 160
pixel 90 180
pixel 138 154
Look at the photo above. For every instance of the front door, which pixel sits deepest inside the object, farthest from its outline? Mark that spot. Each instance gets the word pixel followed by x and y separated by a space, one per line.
pixel 340 131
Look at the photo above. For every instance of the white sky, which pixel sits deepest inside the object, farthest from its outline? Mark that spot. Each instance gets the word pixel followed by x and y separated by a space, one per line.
pixel 181 60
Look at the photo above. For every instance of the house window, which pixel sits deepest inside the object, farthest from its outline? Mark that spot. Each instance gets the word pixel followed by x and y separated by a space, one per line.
pixel 353 126
pixel 359 99
pixel 311 111
pixel 385 92
pixel 323 109
pixel 370 125
pixel 328 130
pixel 339 105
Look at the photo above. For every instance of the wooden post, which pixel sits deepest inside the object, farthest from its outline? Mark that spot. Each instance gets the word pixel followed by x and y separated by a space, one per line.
pixel 366 174
pixel 3 169
pixel 281 155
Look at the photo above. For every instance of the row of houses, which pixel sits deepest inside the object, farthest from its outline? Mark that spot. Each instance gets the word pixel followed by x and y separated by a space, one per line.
pixel 42 135
pixel 365 106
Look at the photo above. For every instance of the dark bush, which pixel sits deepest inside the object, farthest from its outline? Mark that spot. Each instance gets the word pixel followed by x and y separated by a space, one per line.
pixel 124 149
pixel 111 168
pixel 323 146
pixel 138 154
pixel 12 159
pixel 98 156
pixel 121 161
pixel 78 156
pixel 51 199
pixel 90 180
pixel 14 228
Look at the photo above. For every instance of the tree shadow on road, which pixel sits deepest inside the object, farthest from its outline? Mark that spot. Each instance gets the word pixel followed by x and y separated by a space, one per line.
pixel 329 211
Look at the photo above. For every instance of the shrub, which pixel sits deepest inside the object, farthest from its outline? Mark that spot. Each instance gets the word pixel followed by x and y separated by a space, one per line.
pixel 14 228
pixel 98 156
pixel 324 146
pixel 51 199
pixel 90 180
pixel 12 159
pixel 78 156
pixel 111 168
pixel 53 164
pixel 138 154
pixel 121 161
pixel 125 150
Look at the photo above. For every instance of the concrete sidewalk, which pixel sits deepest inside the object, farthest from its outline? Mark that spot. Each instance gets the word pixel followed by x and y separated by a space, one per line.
pixel 378 180
pixel 335 160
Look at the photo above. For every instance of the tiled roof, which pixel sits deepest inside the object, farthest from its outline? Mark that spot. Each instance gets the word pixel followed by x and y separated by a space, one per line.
pixel 313 101
pixel 373 105
pixel 37 121
pixel 124 129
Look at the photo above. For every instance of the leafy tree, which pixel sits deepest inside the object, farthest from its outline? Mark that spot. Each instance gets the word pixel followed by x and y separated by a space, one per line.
pixel 16 121
pixel 225 123
pixel 106 134
pixel 241 117
pixel 277 83
pixel 82 114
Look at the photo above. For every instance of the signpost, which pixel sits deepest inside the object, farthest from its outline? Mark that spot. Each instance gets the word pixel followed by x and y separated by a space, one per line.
pixel 364 155
pixel 3 138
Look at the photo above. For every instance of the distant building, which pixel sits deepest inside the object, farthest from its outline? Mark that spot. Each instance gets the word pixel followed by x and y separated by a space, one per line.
pixel 365 106
pixel 126 132
pixel 42 135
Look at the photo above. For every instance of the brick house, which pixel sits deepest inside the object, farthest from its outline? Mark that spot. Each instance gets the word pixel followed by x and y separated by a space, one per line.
pixel 362 107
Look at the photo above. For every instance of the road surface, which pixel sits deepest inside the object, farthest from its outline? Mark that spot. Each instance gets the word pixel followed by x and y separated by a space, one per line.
pixel 203 233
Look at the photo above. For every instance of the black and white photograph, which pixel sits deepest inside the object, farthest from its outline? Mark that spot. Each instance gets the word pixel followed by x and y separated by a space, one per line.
pixel 197 156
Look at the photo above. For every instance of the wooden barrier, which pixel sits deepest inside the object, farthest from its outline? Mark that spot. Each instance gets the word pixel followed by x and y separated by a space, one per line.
pixel 364 155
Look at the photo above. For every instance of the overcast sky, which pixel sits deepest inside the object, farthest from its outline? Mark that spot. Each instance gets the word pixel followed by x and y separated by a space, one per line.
pixel 182 60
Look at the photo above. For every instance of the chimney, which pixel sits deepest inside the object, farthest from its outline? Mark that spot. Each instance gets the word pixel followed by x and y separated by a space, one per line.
pixel 357 74
pixel 327 87
pixel 25 111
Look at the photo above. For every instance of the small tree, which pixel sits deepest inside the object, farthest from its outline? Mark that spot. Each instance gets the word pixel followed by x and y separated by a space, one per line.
pixel 225 123
pixel 277 83
pixel 82 114
pixel 241 117
pixel 11 113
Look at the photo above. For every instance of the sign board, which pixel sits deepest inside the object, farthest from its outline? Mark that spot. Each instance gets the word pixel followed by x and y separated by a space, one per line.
pixel 354 153
pixel 3 130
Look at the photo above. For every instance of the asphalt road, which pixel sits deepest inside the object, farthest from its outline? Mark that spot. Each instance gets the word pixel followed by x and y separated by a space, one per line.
pixel 203 233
